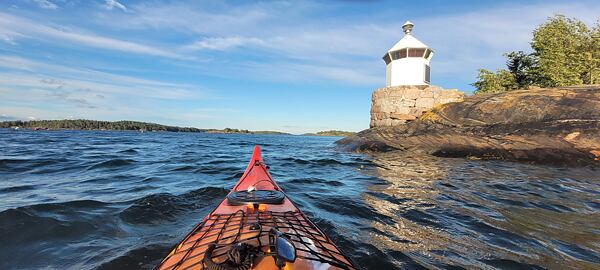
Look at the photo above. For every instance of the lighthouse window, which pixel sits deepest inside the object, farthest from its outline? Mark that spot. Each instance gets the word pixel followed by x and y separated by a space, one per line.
pixel 403 53
pixel 427 54
pixel 398 54
pixel 387 59
pixel 427 73
pixel 416 52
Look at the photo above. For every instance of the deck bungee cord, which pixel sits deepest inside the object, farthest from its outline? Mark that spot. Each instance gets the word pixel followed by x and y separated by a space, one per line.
pixel 256 227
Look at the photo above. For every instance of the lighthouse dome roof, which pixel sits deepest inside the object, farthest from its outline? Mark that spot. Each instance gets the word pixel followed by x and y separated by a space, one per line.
pixel 408 41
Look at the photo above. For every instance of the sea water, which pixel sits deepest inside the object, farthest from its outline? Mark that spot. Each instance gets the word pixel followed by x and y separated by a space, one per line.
pixel 122 200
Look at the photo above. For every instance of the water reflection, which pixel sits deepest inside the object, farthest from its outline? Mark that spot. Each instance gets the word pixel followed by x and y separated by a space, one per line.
pixel 445 213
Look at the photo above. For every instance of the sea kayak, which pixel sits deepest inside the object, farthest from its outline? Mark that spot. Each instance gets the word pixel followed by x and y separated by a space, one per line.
pixel 256 227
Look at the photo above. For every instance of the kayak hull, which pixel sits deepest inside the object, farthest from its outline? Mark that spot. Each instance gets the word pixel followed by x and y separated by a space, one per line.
pixel 251 223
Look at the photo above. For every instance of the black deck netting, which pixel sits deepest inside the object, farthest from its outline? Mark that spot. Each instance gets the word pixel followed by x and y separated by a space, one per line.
pixel 253 228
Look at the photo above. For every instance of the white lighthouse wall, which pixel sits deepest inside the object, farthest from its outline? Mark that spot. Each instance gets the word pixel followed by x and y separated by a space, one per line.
pixel 388 74
pixel 408 71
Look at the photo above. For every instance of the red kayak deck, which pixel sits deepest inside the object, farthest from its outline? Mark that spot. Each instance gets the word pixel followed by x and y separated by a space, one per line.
pixel 250 223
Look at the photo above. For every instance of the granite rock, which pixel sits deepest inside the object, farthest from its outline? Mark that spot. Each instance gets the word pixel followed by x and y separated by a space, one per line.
pixel 551 126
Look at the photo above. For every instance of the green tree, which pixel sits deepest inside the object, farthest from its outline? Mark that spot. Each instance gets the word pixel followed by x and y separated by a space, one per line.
pixel 565 52
pixel 562 46
pixel 593 66
pixel 523 67
pixel 493 82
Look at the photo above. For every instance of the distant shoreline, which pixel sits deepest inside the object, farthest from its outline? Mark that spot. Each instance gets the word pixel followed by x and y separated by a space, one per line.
pixel 331 133
pixel 84 124
pixel 243 131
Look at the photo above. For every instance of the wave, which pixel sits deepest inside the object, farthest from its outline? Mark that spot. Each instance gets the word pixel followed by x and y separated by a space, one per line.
pixel 76 204
pixel 9 161
pixel 146 257
pixel 22 164
pixel 19 226
pixel 183 168
pixel 248 143
pixel 150 180
pixel 17 188
pixel 221 161
pixel 303 181
pixel 47 222
pixel 165 207
pixel 402 211
pixel 319 162
pixel 112 163
pixel 129 151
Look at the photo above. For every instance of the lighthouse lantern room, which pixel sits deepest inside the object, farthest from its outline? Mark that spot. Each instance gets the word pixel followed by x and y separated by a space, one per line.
pixel 407 62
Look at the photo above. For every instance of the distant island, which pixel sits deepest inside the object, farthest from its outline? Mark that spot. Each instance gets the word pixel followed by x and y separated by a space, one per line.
pixel 82 124
pixel 244 131
pixel 337 133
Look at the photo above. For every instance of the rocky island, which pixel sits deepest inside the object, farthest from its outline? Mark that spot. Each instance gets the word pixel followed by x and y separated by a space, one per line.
pixel 556 126
pixel 543 108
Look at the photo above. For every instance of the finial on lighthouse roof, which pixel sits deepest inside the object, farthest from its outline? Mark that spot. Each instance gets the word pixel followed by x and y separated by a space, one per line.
pixel 407 27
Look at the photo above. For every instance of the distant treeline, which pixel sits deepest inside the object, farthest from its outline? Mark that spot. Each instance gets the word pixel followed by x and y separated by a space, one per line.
pixel 244 131
pixel 81 124
pixel 338 133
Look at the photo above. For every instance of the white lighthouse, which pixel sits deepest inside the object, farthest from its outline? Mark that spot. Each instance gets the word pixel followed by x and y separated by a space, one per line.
pixel 407 62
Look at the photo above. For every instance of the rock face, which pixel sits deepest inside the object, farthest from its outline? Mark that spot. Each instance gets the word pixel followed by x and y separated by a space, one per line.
pixel 557 126
pixel 393 106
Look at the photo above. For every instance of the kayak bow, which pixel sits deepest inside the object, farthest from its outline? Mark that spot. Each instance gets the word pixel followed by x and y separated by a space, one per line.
pixel 256 227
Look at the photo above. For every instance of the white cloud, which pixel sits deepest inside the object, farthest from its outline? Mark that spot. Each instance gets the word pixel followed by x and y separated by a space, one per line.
pixel 30 74
pixel 188 17
pixel 223 43
pixel 8 39
pixel 281 42
pixel 311 72
pixel 111 4
pixel 291 39
pixel 15 26
pixel 91 87
pixel 45 4
pixel 48 91
pixel 6 117
pixel 294 45
pixel 291 34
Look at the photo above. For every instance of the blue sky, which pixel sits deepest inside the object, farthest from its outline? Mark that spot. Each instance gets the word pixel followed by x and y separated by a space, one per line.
pixel 295 66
